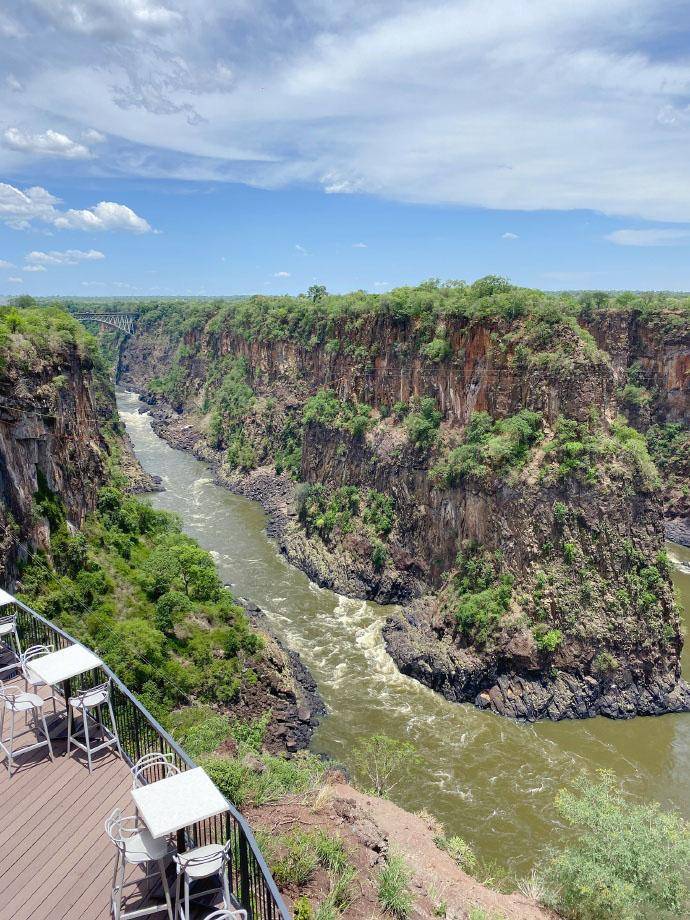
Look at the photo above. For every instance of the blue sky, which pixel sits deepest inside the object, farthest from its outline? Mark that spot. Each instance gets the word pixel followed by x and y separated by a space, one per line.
pixel 153 147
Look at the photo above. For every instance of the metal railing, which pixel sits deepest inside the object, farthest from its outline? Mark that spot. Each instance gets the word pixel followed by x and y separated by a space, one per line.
pixel 250 879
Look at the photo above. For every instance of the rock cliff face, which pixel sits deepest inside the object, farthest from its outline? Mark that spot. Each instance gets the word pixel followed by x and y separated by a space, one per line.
pixel 58 434
pixel 535 587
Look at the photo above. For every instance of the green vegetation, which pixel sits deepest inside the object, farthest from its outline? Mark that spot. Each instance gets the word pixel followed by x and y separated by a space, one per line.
pixel 584 449
pixel 326 409
pixel 320 317
pixel 338 512
pixel 148 599
pixel 231 398
pixel 395 894
pixel 627 861
pixel 28 334
pixel 245 786
pixel 422 422
pixel 490 446
pixel 460 851
pixel 382 762
pixel 547 639
pixel 478 594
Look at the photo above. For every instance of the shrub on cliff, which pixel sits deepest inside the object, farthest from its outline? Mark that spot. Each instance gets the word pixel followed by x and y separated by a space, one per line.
pixel 490 445
pixel 627 861
pixel 422 424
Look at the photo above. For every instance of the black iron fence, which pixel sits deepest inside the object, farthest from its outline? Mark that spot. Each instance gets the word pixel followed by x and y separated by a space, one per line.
pixel 250 878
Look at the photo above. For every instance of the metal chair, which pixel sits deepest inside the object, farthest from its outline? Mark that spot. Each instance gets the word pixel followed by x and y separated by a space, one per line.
pixel 85 701
pixel 136 847
pixel 239 914
pixel 33 680
pixel 152 767
pixel 9 638
pixel 201 863
pixel 13 700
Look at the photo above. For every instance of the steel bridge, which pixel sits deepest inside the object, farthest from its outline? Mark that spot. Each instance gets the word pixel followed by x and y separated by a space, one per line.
pixel 122 321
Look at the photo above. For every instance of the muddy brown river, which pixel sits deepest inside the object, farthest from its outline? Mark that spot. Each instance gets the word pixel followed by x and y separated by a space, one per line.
pixel 487 779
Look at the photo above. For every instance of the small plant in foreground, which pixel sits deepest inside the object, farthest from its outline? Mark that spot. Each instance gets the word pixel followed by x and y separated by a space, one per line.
pixel 628 861
pixel 459 850
pixel 395 895
pixel 381 760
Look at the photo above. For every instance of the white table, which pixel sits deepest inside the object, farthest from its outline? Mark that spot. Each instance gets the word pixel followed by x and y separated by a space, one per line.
pixel 178 801
pixel 59 667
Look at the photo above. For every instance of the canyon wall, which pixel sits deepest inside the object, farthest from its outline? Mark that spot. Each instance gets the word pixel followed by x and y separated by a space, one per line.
pixel 538 590
pixel 59 431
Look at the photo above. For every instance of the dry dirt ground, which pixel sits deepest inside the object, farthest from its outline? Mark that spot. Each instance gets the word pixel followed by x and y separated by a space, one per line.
pixel 371 828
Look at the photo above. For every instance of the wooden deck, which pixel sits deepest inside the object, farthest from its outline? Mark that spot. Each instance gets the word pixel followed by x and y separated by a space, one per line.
pixel 56 861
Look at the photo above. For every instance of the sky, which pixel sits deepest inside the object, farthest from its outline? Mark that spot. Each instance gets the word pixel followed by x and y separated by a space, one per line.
pixel 209 147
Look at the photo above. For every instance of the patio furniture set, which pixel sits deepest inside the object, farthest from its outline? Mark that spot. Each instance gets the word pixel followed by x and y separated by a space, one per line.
pixel 166 799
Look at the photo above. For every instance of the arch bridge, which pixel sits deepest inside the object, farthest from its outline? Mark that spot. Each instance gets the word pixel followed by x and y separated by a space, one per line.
pixel 123 321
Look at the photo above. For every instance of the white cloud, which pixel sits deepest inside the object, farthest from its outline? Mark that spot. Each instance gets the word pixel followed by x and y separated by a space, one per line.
pixel 18 209
pixel 67 257
pixel 301 249
pixel 509 236
pixel 11 82
pixel 33 268
pixel 15 280
pixel 106 215
pixel 93 136
pixel 108 20
pixel 49 144
pixel 281 275
pixel 4 264
pixel 382 284
pixel 359 245
pixel 654 237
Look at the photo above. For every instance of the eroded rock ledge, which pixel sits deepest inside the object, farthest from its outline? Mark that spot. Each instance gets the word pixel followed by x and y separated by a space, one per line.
pixel 463 677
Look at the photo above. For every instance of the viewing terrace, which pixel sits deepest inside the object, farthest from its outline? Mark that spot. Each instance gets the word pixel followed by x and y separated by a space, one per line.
pixel 57 862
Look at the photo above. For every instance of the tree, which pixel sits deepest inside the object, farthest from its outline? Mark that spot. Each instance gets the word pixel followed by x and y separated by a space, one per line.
pixel 382 760
pixel 23 301
pixel 316 292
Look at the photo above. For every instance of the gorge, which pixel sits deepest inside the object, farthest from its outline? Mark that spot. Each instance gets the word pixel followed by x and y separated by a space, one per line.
pixel 463 452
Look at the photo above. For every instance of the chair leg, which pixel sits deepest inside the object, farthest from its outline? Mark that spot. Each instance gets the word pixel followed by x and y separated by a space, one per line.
pixel 45 729
pixel 120 890
pixel 10 762
pixel 186 897
pixel 87 740
pixel 227 903
pixel 178 906
pixel 69 728
pixel 166 887
pixel 2 729
pixel 115 732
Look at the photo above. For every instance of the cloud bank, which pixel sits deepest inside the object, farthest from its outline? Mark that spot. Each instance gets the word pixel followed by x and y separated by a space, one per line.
pixel 507 106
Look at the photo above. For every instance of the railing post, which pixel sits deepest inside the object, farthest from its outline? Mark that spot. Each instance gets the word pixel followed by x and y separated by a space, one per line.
pixel 245 885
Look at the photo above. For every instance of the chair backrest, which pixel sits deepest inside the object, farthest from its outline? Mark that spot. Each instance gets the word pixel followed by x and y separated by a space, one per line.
pixel 185 862
pixel 152 767
pixel 10 692
pixel 93 695
pixel 228 915
pixel 34 651
pixel 118 827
